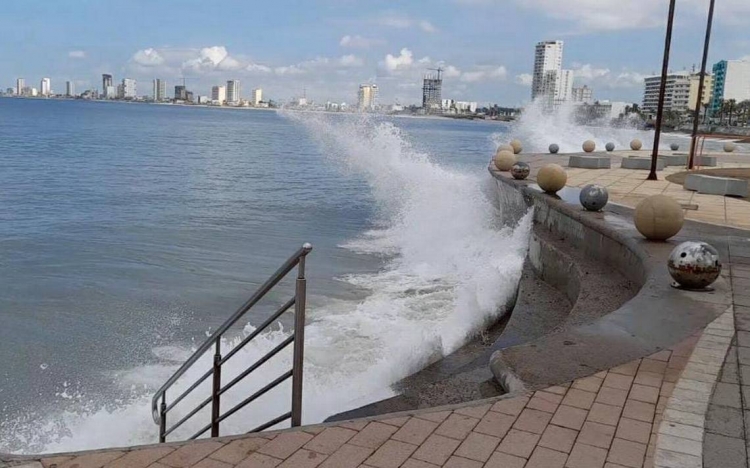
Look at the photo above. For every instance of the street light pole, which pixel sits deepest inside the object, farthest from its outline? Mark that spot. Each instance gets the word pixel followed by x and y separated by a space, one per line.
pixel 699 99
pixel 662 91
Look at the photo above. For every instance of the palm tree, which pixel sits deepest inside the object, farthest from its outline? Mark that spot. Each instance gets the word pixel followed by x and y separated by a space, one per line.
pixel 731 103
pixel 705 111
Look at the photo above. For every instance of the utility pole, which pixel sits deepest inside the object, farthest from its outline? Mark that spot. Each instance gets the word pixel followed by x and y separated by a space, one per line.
pixel 699 99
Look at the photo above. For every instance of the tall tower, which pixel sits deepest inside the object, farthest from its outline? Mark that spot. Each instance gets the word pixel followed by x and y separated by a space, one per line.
pixel 432 90
pixel 233 91
pixel 20 84
pixel 547 69
pixel 70 89
pixel 107 85
pixel 46 86
pixel 160 90
pixel 367 96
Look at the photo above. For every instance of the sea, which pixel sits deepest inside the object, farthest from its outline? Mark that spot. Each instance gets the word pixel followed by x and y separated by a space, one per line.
pixel 128 232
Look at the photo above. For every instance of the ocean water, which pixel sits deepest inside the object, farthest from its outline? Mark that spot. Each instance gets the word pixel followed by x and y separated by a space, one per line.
pixel 128 232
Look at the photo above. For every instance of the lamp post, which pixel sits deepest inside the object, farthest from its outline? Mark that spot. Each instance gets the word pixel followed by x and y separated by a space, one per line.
pixel 662 91
pixel 699 99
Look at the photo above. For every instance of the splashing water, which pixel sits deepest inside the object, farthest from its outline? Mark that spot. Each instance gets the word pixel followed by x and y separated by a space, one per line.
pixel 449 269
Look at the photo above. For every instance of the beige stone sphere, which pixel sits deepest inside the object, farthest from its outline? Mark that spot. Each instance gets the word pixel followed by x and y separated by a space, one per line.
pixel 658 217
pixel 505 148
pixel 729 147
pixel 636 144
pixel 551 178
pixel 504 160
pixel 589 146
pixel 517 146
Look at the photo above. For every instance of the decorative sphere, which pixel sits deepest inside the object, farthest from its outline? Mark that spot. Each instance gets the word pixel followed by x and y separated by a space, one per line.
pixel 554 148
pixel 504 160
pixel 551 178
pixel 593 197
pixel 505 148
pixel 610 146
pixel 636 144
pixel 674 146
pixel 694 265
pixel 520 170
pixel 589 146
pixel 658 217
pixel 517 147
pixel 729 147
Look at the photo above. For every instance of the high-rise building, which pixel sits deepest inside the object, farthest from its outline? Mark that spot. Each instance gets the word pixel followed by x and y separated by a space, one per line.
pixel 257 96
pixel 564 91
pixel 70 89
pixel 160 90
pixel 219 94
pixel 708 90
pixel 731 81
pixel 547 77
pixel 582 94
pixel 20 85
pixel 180 93
pixel 106 85
pixel 110 92
pixel 432 91
pixel 676 96
pixel 367 97
pixel 46 87
pixel 233 91
pixel 129 90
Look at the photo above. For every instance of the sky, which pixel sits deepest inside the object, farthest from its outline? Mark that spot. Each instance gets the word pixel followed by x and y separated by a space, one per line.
pixel 327 48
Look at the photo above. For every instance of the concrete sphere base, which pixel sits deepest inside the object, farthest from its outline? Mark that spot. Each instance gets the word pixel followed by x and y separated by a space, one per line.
pixel 554 148
pixel 594 197
pixel 610 147
pixel 504 160
pixel 729 147
pixel 517 146
pixel 520 170
pixel 551 178
pixel 694 265
pixel 636 144
pixel 658 217
pixel 589 146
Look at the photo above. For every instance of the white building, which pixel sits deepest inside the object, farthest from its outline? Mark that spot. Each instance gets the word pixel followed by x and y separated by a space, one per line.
pixel 110 92
pixel 465 106
pixel 160 90
pixel 20 85
pixel 676 95
pixel 129 90
pixel 582 94
pixel 708 90
pixel 233 92
pixel 70 89
pixel 549 83
pixel 447 104
pixel 731 81
pixel 367 97
pixel 203 100
pixel 46 87
pixel 219 94
pixel 257 97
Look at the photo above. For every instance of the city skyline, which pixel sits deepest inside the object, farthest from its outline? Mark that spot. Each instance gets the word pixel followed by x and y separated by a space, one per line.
pixel 485 46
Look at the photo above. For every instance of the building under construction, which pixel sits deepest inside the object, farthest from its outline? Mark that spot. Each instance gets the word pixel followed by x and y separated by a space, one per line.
pixel 432 91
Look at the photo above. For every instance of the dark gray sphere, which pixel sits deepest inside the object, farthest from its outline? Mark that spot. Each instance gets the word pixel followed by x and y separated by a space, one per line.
pixel 594 197
pixel 520 170
pixel 610 146
pixel 674 146
pixel 553 148
pixel 694 265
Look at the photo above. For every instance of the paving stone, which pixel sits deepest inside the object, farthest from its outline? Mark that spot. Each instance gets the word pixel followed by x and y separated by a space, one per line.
pixel 620 381
pixel 398 422
pixel 144 457
pixel 729 374
pixel 92 460
pixel 391 454
pixel 374 435
pixel 579 398
pixel 744 374
pixel 662 355
pixel 347 456
pixel 437 416
pixel 457 426
pixel 626 369
pixel 722 452
pixel 725 420
pixel 477 447
pixel 666 459
pixel 284 445
pixel 511 406
pixel 330 440
pixel 211 463
pixel 415 431
pixel 682 417
pixel 412 463
pixel 473 411
pixel 745 389
pixel 519 443
pixel 458 462
pixel 596 434
pixel 612 396
pixel 495 424
pixel 666 389
pixel 743 356
pixel 589 384
pixel 189 455
pixel 546 458
pixel 681 430
pixel 643 393
pixel 558 438
pixel 627 453
pixel 586 456
pixel 650 379
pixel 677 362
pixel 503 460
pixel 258 460
pixel 639 410
pixel 652 365
pixel 354 425
pixel 544 401
pixel 679 445
pixel 567 416
pixel 54 462
pixel 635 431
pixel 532 420
pixel 436 449
pixel 604 414
pixel 726 394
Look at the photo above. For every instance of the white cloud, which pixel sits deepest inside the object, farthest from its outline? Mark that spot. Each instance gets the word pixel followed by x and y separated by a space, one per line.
pixel 524 79
pixel 257 68
pixel 77 54
pixel 426 26
pixel 606 78
pixel 212 58
pixel 351 60
pixel 451 72
pixel 484 73
pixel 148 58
pixel 399 21
pixel 359 42
pixel 404 60
pixel 588 72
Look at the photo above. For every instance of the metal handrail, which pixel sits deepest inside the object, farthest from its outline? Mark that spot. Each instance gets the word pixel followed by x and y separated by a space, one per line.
pixel 160 410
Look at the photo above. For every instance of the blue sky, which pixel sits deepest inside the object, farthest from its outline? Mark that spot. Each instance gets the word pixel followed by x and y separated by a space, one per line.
pixel 328 47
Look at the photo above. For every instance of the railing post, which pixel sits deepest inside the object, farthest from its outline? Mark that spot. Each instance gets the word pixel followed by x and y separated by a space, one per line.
pixel 163 418
pixel 215 397
pixel 299 343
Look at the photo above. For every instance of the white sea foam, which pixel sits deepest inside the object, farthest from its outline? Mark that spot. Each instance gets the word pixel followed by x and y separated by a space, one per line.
pixel 449 267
